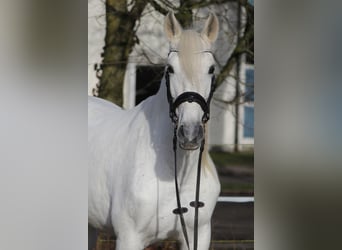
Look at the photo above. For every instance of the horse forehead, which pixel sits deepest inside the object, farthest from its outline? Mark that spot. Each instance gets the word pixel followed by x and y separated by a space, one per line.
pixel 193 65
pixel 192 56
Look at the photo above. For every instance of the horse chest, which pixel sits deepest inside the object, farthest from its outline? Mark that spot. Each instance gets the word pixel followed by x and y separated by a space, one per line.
pixel 152 202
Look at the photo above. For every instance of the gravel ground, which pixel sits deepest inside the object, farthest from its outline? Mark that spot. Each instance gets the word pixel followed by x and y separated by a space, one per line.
pixel 233 221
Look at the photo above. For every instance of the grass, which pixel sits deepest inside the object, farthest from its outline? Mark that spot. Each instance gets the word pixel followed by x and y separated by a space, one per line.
pixel 238 159
pixel 234 181
pixel 237 188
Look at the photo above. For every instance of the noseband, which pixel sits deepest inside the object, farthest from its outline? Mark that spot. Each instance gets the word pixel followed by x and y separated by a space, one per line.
pixel 190 97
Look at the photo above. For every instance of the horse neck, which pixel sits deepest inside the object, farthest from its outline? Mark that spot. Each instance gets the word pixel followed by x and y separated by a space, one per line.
pixel 157 111
pixel 162 130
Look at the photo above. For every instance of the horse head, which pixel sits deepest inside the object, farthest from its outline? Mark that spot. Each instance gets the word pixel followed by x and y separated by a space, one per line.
pixel 190 77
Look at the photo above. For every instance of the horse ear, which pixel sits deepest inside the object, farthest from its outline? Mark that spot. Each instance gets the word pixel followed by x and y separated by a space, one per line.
pixel 211 28
pixel 173 29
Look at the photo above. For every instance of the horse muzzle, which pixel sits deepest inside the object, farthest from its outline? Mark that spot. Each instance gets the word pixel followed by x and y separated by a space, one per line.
pixel 190 136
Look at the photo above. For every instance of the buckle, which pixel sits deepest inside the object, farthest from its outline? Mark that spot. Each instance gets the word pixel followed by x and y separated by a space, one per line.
pixel 195 204
pixel 181 210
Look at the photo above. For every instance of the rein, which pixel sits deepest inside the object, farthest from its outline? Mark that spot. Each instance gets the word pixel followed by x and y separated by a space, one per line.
pixel 205 105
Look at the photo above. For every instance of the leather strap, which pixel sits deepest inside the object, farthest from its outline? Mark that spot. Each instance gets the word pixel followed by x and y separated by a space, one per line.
pixel 179 210
pixel 188 96
pixel 197 203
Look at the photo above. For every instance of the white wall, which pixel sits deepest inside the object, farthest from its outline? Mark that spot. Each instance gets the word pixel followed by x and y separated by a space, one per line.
pixel 221 126
pixel 96 35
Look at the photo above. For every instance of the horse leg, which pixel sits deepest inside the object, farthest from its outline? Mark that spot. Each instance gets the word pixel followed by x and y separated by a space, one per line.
pixel 129 242
pixel 204 236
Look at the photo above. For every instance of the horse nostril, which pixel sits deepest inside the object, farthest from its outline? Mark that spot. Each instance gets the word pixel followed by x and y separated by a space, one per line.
pixel 191 133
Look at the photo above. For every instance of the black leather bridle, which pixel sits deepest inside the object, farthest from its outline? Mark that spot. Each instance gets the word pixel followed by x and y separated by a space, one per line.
pixel 190 97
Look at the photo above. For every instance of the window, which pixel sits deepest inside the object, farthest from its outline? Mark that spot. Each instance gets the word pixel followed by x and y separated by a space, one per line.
pixel 148 80
pixel 248 131
pixel 249 96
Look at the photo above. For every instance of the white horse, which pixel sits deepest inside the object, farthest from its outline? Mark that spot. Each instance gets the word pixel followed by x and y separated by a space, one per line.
pixel 131 164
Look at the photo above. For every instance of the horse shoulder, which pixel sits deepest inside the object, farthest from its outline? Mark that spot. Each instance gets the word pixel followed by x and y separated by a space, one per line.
pixel 101 129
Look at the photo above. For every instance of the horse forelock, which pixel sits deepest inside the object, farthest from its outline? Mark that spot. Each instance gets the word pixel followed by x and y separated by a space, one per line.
pixel 191 47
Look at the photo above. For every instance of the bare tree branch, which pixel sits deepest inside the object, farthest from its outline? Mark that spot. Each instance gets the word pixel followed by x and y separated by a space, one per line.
pixel 204 3
pixel 121 37
pixel 138 8
pixel 158 7
pixel 241 47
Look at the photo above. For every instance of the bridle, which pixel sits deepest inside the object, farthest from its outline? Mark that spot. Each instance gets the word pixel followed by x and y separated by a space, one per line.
pixel 190 97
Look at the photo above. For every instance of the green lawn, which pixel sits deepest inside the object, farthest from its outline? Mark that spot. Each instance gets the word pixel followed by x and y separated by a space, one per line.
pixel 235 172
pixel 241 188
pixel 224 158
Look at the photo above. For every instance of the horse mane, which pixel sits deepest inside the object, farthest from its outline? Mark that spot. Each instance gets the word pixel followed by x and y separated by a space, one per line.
pixel 190 46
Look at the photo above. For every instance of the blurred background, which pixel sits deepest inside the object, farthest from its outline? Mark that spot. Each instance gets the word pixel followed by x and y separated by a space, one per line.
pixel 127 52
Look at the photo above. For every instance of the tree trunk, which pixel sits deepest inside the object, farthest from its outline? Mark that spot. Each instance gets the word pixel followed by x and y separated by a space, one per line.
pixel 119 40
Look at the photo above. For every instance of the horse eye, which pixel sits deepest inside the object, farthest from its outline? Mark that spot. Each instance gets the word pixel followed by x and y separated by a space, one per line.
pixel 170 69
pixel 211 69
